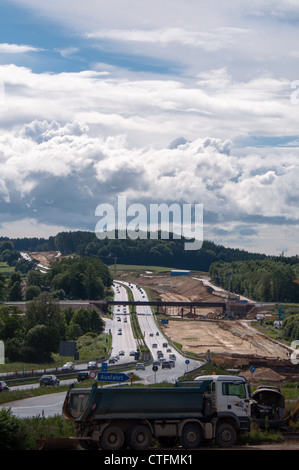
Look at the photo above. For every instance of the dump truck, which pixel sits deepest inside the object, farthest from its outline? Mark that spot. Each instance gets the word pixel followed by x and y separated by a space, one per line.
pixel 215 407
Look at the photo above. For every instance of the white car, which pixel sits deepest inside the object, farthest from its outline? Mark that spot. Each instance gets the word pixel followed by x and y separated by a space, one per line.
pixel 68 366
pixel 92 365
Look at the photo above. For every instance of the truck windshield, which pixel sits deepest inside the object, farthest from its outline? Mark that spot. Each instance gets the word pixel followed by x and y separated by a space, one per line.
pixel 235 389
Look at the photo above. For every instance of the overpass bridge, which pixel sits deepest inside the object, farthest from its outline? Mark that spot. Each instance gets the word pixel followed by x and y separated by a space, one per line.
pixel 160 306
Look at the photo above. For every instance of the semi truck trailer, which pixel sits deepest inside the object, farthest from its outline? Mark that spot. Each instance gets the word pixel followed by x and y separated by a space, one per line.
pixel 215 407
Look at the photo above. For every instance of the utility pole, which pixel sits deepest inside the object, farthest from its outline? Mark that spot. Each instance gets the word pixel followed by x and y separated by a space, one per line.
pixel 229 315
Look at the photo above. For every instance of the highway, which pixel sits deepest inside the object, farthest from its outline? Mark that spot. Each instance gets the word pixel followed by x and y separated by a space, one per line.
pixel 155 341
pixel 49 405
pixel 122 336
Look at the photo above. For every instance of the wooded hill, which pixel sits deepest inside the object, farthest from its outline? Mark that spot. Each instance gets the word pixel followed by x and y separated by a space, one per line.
pixel 261 277
pixel 158 252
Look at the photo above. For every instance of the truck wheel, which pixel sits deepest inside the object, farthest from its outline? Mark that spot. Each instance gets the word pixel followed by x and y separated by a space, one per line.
pixel 225 435
pixel 191 436
pixel 140 437
pixel 112 438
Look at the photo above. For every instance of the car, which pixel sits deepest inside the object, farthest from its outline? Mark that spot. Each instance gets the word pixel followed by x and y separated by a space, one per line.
pixel 166 365
pixel 3 386
pixel 154 345
pixel 168 350
pixel 119 332
pixel 156 362
pixel 151 334
pixel 112 360
pixel 92 365
pixel 160 354
pixel 82 376
pixel 140 366
pixel 121 352
pixel 68 366
pixel 172 363
pixel 132 353
pixel 157 334
pixel 48 380
pixel 172 357
pixel 165 345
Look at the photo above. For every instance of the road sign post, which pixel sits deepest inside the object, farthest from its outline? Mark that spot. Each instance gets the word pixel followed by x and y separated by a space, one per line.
pixel 155 368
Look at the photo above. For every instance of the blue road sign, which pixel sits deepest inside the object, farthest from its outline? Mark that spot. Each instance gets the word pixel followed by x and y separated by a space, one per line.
pixel 112 377
pixel 104 367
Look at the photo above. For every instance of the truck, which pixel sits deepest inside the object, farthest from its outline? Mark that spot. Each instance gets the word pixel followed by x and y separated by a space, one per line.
pixel 209 408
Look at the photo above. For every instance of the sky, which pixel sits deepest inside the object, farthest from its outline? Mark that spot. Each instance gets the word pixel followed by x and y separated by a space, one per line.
pixel 187 102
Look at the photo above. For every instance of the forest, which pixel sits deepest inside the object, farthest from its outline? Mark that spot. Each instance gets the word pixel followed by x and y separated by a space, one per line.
pixel 264 280
pixel 255 275
pixel 159 252
pixel 35 336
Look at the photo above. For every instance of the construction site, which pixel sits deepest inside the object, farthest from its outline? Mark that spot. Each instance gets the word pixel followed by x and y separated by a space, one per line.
pixel 231 336
pixel 230 339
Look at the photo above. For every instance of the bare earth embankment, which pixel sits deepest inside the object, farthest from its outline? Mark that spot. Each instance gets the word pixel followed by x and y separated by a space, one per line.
pixel 234 342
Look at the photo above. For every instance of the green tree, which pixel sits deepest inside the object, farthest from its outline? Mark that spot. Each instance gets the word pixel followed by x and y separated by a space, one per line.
pixel 43 340
pixel 32 292
pixel 15 292
pixel 93 284
pixel 13 434
pixel 2 286
pixel 88 321
pixel 35 278
pixel 42 310
pixel 11 324
pixel 73 331
pixel 15 277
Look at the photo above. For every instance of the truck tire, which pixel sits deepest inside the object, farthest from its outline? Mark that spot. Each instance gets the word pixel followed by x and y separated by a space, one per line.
pixel 191 436
pixel 225 435
pixel 112 438
pixel 139 437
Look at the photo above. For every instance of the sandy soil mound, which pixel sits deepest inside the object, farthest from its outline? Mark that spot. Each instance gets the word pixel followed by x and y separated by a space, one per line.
pixel 263 373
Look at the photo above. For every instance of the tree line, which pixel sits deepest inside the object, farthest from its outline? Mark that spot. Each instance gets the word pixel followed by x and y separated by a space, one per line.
pixel 261 280
pixel 261 277
pixel 70 278
pixel 35 336
pixel 159 252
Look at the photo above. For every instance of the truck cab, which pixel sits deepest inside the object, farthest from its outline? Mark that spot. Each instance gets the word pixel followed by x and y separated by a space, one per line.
pixel 230 400
pixel 229 393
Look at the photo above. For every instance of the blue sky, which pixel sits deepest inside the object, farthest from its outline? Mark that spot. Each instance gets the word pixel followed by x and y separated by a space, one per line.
pixel 190 102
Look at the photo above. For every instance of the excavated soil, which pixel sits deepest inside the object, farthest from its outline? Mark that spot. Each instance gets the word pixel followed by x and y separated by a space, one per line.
pixel 201 333
pixel 46 258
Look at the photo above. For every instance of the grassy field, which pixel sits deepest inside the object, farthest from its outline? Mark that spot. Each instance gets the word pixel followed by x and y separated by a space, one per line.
pixel 140 269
